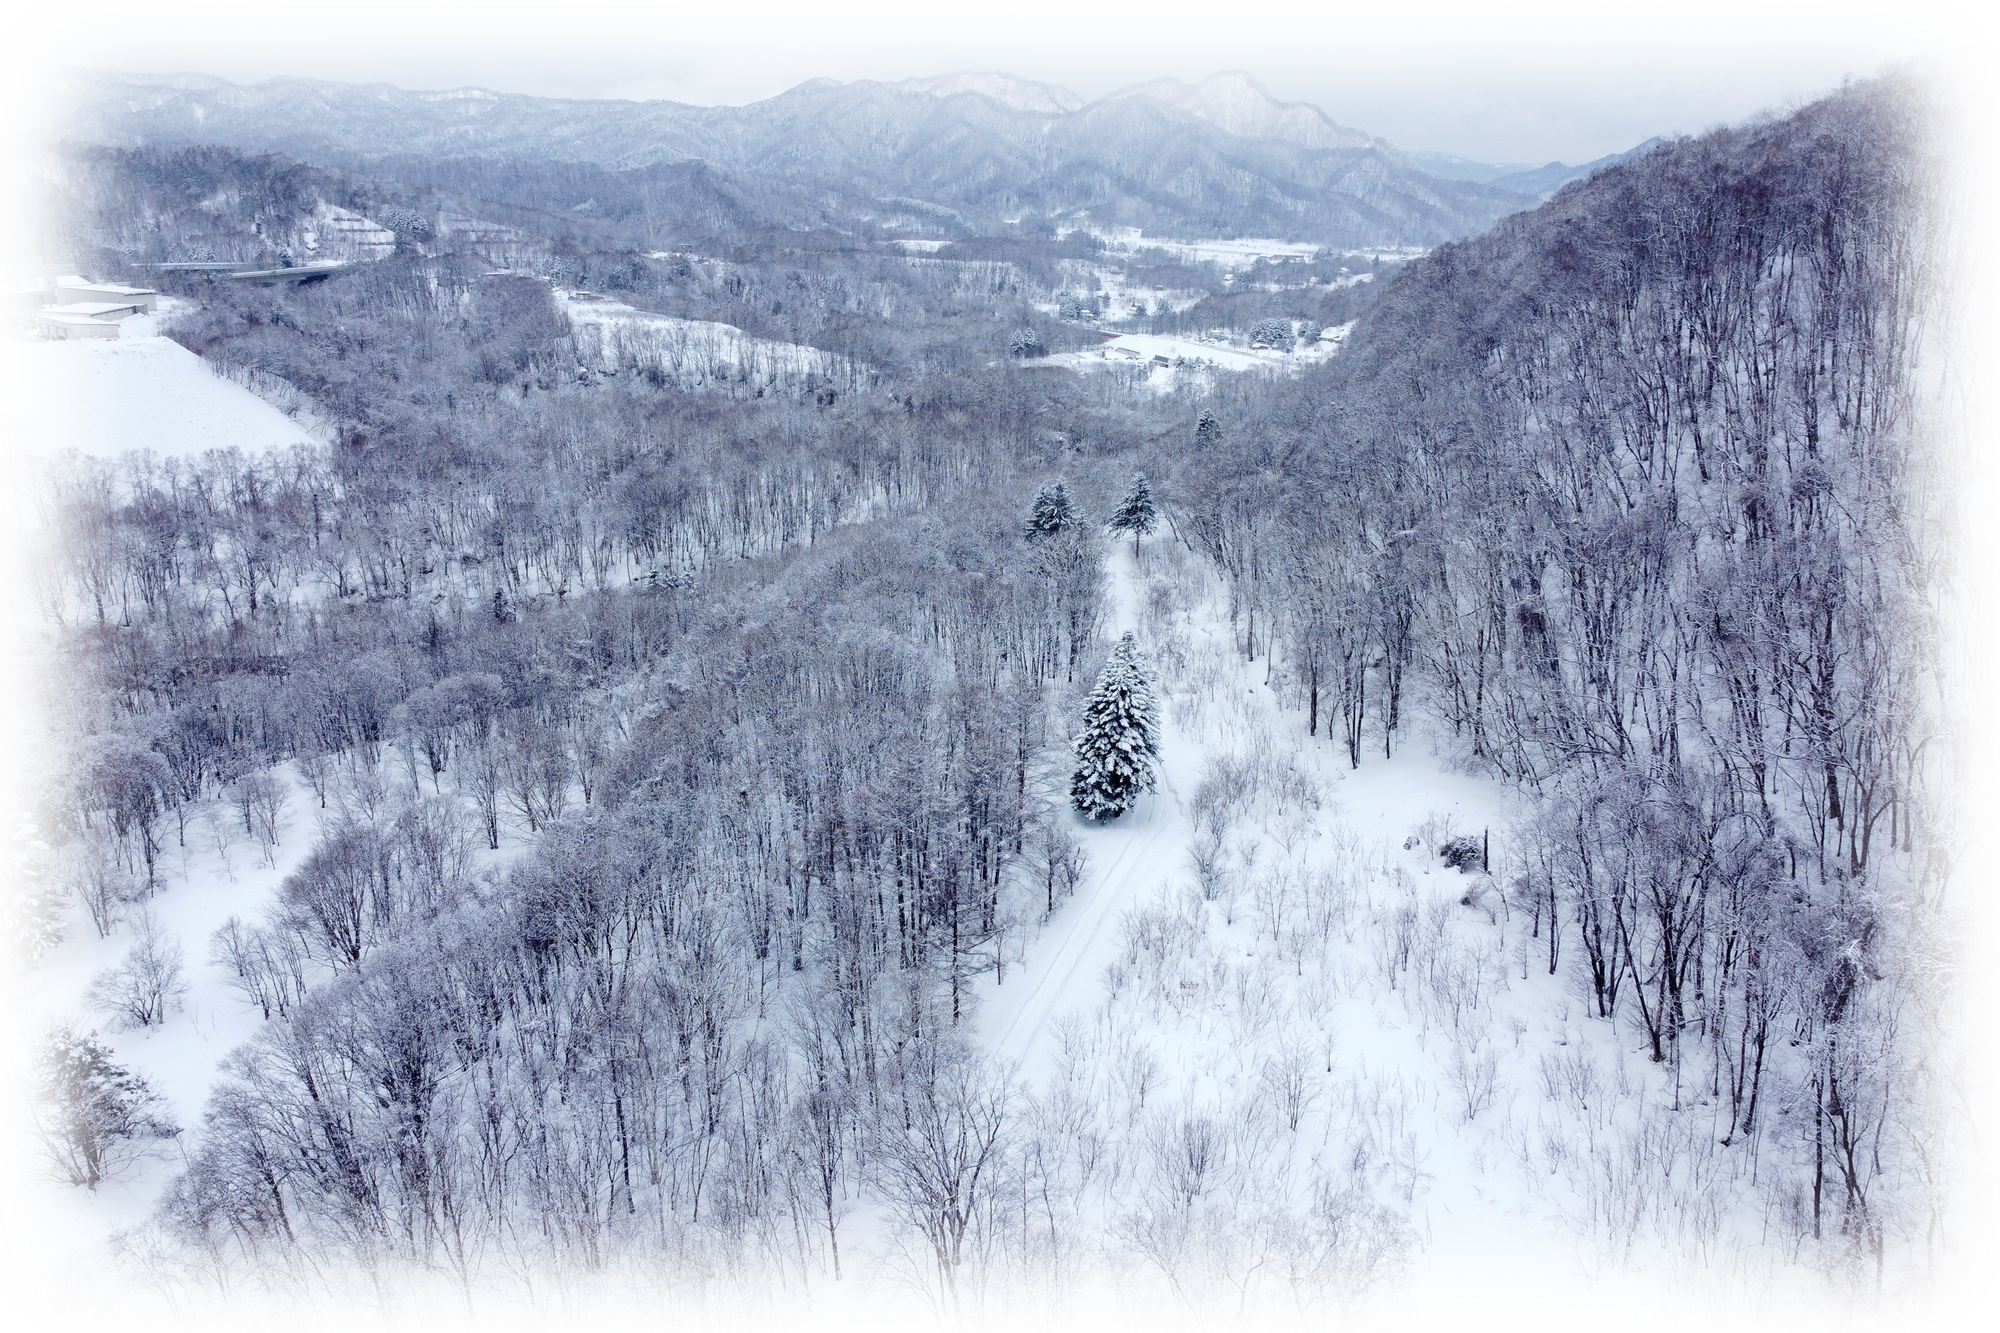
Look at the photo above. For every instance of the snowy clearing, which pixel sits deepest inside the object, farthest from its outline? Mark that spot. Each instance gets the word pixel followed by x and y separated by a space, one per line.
pixel 695 353
pixel 1164 356
pixel 141 391
pixel 1298 968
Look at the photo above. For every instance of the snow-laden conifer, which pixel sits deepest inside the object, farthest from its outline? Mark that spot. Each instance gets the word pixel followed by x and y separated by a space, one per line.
pixel 1207 431
pixel 31 909
pixel 92 1115
pixel 1053 512
pixel 1120 738
pixel 1136 513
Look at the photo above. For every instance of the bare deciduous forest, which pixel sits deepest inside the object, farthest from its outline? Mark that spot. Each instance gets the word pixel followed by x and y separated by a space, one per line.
pixel 661 727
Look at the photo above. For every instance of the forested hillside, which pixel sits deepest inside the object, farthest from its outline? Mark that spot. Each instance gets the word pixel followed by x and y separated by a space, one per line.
pixel 1637 496
pixel 659 776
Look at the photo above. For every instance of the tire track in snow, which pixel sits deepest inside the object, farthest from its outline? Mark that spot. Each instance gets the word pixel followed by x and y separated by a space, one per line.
pixel 1117 885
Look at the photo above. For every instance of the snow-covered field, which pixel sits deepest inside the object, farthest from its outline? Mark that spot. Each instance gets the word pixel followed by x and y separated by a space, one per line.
pixel 697 353
pixel 1240 250
pixel 141 391
pixel 1184 355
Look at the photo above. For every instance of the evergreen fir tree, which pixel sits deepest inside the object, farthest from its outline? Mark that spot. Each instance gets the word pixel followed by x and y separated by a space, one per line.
pixel 81 1103
pixel 1207 431
pixel 1136 513
pixel 1054 512
pixel 31 909
pixel 1120 738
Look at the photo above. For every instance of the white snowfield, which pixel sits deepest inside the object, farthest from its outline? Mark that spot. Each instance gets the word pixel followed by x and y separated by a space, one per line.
pixel 141 391
pixel 695 353
pixel 1165 355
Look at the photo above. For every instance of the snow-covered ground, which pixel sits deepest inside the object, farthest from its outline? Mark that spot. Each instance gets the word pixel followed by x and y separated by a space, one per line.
pixel 1184 355
pixel 695 353
pixel 1351 1013
pixel 219 872
pixel 1241 250
pixel 1345 1010
pixel 139 391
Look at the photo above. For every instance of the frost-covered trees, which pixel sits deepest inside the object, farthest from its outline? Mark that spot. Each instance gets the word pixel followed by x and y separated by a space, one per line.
pixel 140 991
pixel 1275 334
pixel 1053 512
pixel 1136 513
pixel 1026 343
pixel 92 1114
pixel 1207 431
pixel 31 907
pixel 1120 739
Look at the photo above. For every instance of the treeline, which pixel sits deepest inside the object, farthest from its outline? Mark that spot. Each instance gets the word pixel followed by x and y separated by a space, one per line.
pixel 1635 496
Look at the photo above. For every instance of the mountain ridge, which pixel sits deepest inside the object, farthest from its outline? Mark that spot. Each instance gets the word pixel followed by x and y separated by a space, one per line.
pixel 1217 158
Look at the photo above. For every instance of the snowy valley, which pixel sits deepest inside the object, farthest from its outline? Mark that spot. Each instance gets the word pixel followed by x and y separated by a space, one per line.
pixel 663 743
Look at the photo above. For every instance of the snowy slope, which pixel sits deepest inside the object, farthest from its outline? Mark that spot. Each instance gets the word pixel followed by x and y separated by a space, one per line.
pixel 215 875
pixel 1350 1012
pixel 1237 103
pixel 141 391
pixel 696 353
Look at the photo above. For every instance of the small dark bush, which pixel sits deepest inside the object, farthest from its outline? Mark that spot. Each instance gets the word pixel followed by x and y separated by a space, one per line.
pixel 1463 853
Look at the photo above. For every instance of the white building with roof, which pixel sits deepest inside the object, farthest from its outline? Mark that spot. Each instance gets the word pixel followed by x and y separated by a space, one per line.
pixel 57 326
pixel 73 289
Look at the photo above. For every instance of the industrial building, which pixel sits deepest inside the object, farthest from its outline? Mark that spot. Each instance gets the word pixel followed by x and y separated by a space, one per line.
pixel 72 307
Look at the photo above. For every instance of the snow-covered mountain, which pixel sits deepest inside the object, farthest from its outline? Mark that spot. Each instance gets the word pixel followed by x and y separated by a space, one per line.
pixel 1237 104
pixel 979 151
pixel 1536 182
pixel 1047 99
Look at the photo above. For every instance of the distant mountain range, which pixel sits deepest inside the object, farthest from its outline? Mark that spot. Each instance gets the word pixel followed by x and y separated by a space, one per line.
pixel 959 154
pixel 1536 182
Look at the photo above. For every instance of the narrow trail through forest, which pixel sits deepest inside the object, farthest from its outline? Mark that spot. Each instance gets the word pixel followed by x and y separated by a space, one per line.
pixel 1127 856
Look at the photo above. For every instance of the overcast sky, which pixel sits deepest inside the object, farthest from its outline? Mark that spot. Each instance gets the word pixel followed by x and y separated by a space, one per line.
pixel 1523 82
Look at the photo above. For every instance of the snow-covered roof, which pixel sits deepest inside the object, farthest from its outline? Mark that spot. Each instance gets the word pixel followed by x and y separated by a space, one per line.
pixel 115 288
pixel 90 308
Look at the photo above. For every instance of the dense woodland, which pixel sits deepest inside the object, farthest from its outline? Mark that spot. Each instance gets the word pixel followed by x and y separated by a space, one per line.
pixel 684 754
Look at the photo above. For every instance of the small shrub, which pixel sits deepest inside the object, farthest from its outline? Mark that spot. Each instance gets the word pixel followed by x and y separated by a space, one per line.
pixel 1462 854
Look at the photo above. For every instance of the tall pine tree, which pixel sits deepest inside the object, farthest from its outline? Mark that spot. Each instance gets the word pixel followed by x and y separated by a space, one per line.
pixel 1053 512
pixel 1120 738
pixel 31 909
pixel 1136 513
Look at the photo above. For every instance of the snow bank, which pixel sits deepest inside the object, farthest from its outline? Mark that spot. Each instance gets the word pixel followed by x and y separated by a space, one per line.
pixel 139 392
